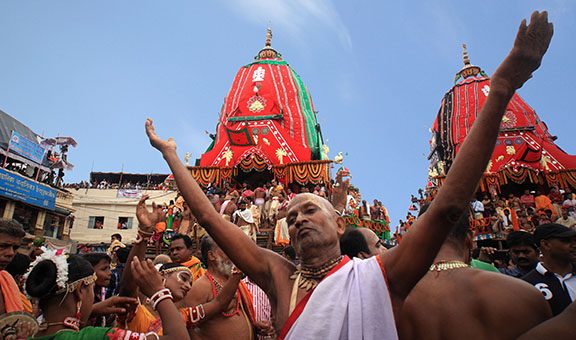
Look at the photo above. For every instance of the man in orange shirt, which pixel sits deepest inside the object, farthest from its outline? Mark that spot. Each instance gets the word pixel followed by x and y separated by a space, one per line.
pixel 181 251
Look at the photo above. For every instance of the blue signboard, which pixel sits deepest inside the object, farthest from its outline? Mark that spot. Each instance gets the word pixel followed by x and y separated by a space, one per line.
pixel 27 148
pixel 25 190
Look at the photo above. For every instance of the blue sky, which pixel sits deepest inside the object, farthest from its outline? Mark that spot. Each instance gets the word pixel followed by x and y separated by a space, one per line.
pixel 376 70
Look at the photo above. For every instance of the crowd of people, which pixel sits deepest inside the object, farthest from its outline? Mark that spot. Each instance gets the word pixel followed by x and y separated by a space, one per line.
pixel 104 184
pixel 501 214
pixel 526 212
pixel 257 211
pixel 52 177
pixel 336 282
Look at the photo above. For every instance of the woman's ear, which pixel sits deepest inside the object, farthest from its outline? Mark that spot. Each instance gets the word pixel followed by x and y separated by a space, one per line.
pixel 80 292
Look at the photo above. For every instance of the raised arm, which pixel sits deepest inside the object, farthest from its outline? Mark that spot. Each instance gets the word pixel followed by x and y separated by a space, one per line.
pixel 246 255
pixel 146 222
pixel 411 260
pixel 559 327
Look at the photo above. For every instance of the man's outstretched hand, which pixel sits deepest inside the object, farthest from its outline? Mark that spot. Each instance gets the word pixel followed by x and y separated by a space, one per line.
pixel 531 44
pixel 160 144
pixel 148 219
pixel 114 305
pixel 146 276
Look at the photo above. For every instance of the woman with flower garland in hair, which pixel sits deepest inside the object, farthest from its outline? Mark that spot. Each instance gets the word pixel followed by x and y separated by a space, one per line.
pixel 177 279
pixel 64 286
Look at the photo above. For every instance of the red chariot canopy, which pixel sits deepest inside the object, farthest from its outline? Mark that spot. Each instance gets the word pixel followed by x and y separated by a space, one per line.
pixel 525 150
pixel 267 122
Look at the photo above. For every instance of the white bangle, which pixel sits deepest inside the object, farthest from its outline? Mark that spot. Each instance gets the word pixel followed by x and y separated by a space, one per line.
pixel 153 334
pixel 159 296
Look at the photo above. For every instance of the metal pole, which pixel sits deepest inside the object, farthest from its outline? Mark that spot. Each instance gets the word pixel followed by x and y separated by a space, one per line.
pixel 7 150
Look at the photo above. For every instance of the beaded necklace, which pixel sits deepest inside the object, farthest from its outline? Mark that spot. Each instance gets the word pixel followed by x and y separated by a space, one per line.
pixel 310 277
pixel 218 288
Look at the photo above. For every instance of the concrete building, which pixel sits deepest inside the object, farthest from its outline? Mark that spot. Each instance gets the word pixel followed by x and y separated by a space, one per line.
pixel 29 190
pixel 38 220
pixel 103 212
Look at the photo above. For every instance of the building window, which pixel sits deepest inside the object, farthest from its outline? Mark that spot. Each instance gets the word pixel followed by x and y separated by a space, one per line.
pixel 96 222
pixel 26 215
pixel 53 225
pixel 125 222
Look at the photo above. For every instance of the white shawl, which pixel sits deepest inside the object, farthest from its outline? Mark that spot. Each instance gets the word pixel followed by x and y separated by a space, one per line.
pixel 352 303
pixel 245 214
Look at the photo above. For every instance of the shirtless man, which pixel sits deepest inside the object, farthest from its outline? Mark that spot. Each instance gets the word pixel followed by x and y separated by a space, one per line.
pixel 316 227
pixel 559 327
pixel 244 220
pixel 235 322
pixel 489 305
pixel 375 210
pixel 228 208
pixel 260 197
pixel 362 243
pixel 181 252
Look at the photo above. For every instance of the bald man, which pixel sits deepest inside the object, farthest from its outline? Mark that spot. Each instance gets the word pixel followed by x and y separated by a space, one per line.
pixel 485 305
pixel 362 243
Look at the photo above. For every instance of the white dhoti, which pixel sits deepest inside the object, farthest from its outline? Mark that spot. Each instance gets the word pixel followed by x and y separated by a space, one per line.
pixel 255 215
pixel 247 229
pixel 259 202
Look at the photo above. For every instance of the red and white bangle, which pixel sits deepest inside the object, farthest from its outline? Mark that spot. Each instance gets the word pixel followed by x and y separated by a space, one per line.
pixel 160 295
pixel 196 314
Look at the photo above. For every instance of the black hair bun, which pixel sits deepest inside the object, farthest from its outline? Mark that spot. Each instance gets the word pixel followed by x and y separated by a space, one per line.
pixel 42 279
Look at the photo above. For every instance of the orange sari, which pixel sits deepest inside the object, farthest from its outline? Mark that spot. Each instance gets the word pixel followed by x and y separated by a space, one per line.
pixel 143 321
pixel 10 292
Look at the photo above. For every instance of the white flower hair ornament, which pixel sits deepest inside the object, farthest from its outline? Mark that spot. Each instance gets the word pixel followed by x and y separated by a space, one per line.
pixel 59 258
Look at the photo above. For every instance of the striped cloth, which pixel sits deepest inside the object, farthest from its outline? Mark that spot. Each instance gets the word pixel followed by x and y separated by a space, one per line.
pixel 260 301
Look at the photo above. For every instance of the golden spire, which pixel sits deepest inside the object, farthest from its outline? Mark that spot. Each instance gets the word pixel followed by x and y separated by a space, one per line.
pixel 468 70
pixel 268 52
pixel 465 55
pixel 268 37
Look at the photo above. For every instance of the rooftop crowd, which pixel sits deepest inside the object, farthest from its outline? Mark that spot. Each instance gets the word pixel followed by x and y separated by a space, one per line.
pixel 336 282
pixel 127 185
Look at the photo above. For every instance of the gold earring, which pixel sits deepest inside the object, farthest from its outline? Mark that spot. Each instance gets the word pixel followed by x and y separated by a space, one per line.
pixel 78 307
